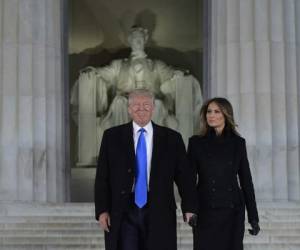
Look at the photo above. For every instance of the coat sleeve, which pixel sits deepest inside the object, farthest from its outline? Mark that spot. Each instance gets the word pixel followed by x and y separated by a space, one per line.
pixel 247 185
pixel 185 180
pixel 192 158
pixel 102 192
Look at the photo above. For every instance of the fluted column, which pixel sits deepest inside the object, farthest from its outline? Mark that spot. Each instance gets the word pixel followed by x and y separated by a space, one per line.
pixel 292 103
pixel 31 111
pixel 263 118
pixel 247 76
pixel 255 58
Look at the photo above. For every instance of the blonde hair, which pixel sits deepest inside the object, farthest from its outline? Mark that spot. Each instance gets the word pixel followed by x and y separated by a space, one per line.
pixel 140 92
pixel 226 109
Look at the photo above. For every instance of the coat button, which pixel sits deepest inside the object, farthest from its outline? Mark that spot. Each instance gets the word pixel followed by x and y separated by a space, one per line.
pixel 214 190
pixel 123 192
pixel 213 181
pixel 129 170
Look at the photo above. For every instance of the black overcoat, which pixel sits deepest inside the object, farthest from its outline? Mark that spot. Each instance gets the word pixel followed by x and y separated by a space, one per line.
pixel 115 178
pixel 224 188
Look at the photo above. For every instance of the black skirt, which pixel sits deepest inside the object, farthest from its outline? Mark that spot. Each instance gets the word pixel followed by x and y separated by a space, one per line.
pixel 220 229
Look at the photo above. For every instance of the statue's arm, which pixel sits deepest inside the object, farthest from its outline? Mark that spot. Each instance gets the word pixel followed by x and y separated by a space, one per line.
pixel 74 102
pixel 106 80
pixel 89 85
pixel 164 72
pixel 98 80
pixel 168 77
pixel 109 73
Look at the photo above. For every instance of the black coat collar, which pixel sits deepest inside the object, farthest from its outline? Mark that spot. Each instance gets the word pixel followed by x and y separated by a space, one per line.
pixel 159 142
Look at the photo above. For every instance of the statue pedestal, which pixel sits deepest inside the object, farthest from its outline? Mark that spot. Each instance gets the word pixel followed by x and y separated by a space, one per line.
pixel 82 184
pixel 93 119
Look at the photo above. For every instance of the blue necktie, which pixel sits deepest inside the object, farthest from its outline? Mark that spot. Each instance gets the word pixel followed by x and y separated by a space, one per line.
pixel 140 191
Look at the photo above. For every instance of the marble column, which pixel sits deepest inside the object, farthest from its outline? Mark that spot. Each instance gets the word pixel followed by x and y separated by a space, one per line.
pixel 32 151
pixel 255 64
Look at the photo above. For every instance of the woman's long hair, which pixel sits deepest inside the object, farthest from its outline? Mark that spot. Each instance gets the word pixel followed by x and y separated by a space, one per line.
pixel 226 109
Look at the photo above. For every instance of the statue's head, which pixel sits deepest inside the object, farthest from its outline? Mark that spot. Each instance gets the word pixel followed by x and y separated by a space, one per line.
pixel 137 38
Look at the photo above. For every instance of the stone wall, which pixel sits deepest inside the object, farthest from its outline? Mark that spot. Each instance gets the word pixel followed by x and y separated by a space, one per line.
pixel 32 137
pixel 255 63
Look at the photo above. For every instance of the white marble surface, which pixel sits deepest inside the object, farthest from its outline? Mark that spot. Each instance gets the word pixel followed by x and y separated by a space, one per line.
pixel 27 225
pixel 32 146
pixel 254 64
pixel 255 57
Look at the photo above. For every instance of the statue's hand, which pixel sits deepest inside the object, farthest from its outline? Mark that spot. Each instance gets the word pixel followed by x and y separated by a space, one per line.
pixel 168 87
pixel 177 74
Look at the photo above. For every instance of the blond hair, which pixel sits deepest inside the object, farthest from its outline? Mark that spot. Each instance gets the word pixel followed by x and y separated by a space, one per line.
pixel 140 92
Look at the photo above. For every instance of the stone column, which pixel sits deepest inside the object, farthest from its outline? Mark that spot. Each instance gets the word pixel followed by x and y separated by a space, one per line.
pixel 32 157
pixel 255 57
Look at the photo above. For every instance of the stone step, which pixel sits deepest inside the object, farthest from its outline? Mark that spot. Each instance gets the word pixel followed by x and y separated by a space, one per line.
pixel 54 246
pixel 98 237
pixel 264 213
pixel 75 240
pixel 98 247
pixel 87 246
pixel 23 218
pixel 72 226
pixel 271 226
pixel 69 209
pixel 94 247
pixel 96 232
pixel 282 228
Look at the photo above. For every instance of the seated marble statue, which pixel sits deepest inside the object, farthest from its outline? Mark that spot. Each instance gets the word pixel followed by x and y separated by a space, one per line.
pixel 99 96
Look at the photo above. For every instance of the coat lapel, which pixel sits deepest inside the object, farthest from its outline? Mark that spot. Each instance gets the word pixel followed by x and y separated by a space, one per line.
pixel 157 152
pixel 128 145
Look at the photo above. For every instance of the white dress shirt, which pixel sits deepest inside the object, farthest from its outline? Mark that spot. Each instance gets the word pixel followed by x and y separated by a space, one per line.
pixel 149 143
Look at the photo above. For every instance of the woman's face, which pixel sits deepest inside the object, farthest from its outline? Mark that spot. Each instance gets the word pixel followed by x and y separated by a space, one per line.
pixel 215 117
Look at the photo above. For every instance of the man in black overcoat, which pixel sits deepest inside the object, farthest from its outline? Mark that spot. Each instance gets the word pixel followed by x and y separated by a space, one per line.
pixel 151 226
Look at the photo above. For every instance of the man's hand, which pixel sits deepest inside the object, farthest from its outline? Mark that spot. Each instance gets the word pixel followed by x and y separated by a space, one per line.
pixel 254 228
pixel 104 221
pixel 190 218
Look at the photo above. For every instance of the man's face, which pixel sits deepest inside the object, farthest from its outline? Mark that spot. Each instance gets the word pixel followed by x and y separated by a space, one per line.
pixel 141 109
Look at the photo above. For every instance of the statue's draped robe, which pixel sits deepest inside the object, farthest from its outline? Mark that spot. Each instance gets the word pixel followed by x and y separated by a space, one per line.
pixel 100 100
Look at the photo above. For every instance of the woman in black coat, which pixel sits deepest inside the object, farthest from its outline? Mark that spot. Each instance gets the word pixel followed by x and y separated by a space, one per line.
pixel 224 182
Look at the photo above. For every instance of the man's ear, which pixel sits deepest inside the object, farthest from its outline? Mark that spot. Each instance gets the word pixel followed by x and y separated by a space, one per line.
pixel 153 108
